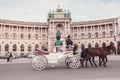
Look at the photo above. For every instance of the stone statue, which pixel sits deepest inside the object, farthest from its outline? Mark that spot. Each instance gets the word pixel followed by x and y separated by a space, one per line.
pixel 59 9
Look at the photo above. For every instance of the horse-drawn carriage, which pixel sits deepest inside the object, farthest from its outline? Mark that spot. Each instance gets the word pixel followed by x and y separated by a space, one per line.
pixel 44 58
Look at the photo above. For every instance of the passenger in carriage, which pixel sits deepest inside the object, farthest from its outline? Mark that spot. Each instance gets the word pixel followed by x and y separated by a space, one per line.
pixel 75 48
pixel 44 48
pixel 68 42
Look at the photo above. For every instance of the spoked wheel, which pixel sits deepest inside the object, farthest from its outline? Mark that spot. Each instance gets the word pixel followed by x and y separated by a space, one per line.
pixel 72 62
pixel 39 62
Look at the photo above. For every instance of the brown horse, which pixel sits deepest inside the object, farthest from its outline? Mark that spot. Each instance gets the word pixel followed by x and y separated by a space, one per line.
pixel 102 52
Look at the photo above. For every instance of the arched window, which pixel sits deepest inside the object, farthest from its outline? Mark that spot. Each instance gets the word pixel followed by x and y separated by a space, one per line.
pixel 82 46
pixel 111 43
pixel 96 45
pixel 22 47
pixel 103 44
pixel 29 47
pixel 14 47
pixel 89 45
pixel 6 47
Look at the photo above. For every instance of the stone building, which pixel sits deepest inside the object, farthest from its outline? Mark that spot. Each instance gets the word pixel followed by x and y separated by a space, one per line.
pixel 24 37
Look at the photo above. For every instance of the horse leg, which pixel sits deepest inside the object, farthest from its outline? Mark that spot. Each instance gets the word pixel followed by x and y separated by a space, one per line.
pixel 94 61
pixel 90 62
pixel 86 62
pixel 105 57
pixel 82 62
pixel 100 60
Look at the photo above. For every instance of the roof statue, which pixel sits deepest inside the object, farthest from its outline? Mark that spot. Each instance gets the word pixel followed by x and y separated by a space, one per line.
pixel 59 9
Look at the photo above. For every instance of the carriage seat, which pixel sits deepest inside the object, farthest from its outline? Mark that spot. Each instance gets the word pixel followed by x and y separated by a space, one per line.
pixel 39 51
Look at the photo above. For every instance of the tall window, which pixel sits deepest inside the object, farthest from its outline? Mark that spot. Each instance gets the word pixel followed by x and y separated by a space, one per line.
pixel 82 35
pixel 82 46
pixel 75 35
pixel 89 45
pixel 6 35
pixel 36 36
pixel 29 48
pixel 22 36
pixel 103 34
pixel 0 48
pixel 22 47
pixel 14 36
pixel 96 27
pixel 29 36
pixel 103 44
pixel 36 46
pixel 89 35
pixel 96 45
pixel 14 47
pixel 6 47
pixel 82 28
pixel 111 33
pixel 96 34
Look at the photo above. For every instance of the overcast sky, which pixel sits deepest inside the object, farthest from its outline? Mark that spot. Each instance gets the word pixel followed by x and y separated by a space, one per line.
pixel 36 10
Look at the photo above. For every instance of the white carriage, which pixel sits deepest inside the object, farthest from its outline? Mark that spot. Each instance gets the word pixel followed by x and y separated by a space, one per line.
pixel 41 61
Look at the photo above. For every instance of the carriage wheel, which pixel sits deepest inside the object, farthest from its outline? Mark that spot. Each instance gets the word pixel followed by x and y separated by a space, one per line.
pixel 39 62
pixel 73 62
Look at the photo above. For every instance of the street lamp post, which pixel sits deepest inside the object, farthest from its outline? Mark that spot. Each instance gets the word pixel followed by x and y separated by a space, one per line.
pixel 115 40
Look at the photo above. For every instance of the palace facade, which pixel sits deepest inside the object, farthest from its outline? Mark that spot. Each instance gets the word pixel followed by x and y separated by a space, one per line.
pixel 24 37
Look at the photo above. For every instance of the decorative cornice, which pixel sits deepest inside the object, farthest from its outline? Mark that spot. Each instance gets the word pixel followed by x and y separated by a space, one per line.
pixel 95 21
pixel 22 22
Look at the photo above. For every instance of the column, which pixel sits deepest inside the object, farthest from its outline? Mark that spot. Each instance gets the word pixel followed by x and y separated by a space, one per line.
pixel 65 29
pixel 107 32
pixel 93 31
pixel 77 32
pixel 73 32
pixel 34 32
pixel 53 26
pixel 50 28
pixel 45 33
pixel 41 33
pixel 68 27
pixel 85 31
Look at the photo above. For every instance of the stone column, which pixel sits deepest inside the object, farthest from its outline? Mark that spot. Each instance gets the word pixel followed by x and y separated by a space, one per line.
pixel 53 26
pixel 73 32
pixel 107 30
pixel 50 28
pixel 77 32
pixel 65 28
pixel 41 33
